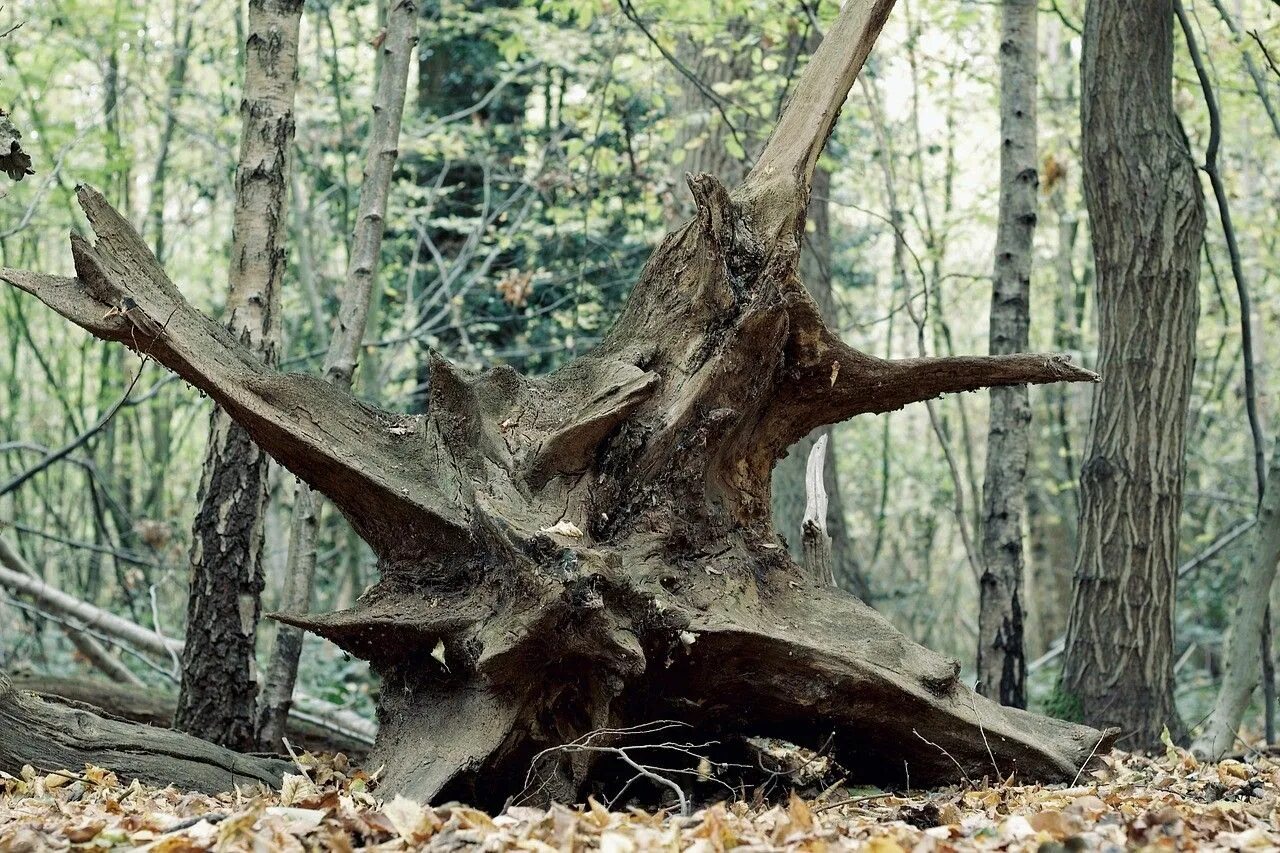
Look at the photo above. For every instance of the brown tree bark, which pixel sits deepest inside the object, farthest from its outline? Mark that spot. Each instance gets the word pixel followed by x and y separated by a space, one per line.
pixel 1147 219
pixel 593 549
pixel 219 684
pixel 700 120
pixel 1002 663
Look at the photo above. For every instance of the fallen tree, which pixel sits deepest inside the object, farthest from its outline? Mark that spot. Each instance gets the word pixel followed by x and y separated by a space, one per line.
pixel 343 726
pixel 593 548
pixel 63 737
pixel 155 707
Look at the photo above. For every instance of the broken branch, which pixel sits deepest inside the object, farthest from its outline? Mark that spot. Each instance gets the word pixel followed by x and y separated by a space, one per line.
pixel 834 382
pixel 811 113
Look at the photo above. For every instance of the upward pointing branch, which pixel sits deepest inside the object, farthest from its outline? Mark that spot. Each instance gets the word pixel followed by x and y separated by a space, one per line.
pixel 811 112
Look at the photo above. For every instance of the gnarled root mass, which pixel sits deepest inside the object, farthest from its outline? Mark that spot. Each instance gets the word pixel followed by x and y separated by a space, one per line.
pixel 592 549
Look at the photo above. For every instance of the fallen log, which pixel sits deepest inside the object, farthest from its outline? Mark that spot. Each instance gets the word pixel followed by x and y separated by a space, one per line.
pixel 155 708
pixel 339 722
pixel 54 737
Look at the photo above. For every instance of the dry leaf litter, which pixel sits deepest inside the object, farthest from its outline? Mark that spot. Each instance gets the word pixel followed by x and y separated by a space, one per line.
pixel 1167 802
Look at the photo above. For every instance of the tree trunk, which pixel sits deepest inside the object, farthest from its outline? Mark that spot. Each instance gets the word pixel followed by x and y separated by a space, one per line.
pixel 1147 220
pixel 1241 656
pixel 219 682
pixel 1002 672
pixel 593 549
pixel 401 35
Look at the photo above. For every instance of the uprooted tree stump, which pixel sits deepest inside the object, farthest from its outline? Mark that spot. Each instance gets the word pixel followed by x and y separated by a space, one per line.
pixel 593 548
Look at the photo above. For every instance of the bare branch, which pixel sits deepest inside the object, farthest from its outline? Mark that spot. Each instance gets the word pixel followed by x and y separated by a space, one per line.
pixel 87 615
pixel 93 651
pixel 1253 34
pixel 375 466
pixel 919 379
pixel 62 452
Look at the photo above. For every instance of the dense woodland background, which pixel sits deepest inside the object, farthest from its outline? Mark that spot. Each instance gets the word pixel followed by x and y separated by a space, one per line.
pixel 543 152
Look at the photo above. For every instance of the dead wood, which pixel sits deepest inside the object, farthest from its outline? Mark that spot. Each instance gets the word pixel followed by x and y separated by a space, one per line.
pixel 154 707
pixel 59 737
pixel 593 548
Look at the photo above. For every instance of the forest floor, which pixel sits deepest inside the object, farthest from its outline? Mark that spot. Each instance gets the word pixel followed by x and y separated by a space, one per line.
pixel 1165 802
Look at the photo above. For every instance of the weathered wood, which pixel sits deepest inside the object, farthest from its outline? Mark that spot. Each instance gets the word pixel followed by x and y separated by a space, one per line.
pixel 51 736
pixel 594 548
pixel 154 707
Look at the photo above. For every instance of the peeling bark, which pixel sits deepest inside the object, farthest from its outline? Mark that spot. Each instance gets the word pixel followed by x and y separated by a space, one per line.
pixel 594 548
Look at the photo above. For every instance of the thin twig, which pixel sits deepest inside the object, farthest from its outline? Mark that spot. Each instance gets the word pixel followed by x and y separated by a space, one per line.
pixel 76 442
pixel 288 747
pixel 851 801
pixel 630 12
pixel 973 700
pixel 1087 760
pixel 1266 54
pixel 964 775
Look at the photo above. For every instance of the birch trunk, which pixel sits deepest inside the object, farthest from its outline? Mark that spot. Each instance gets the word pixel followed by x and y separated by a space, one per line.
pixel 219 684
pixel 1001 655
